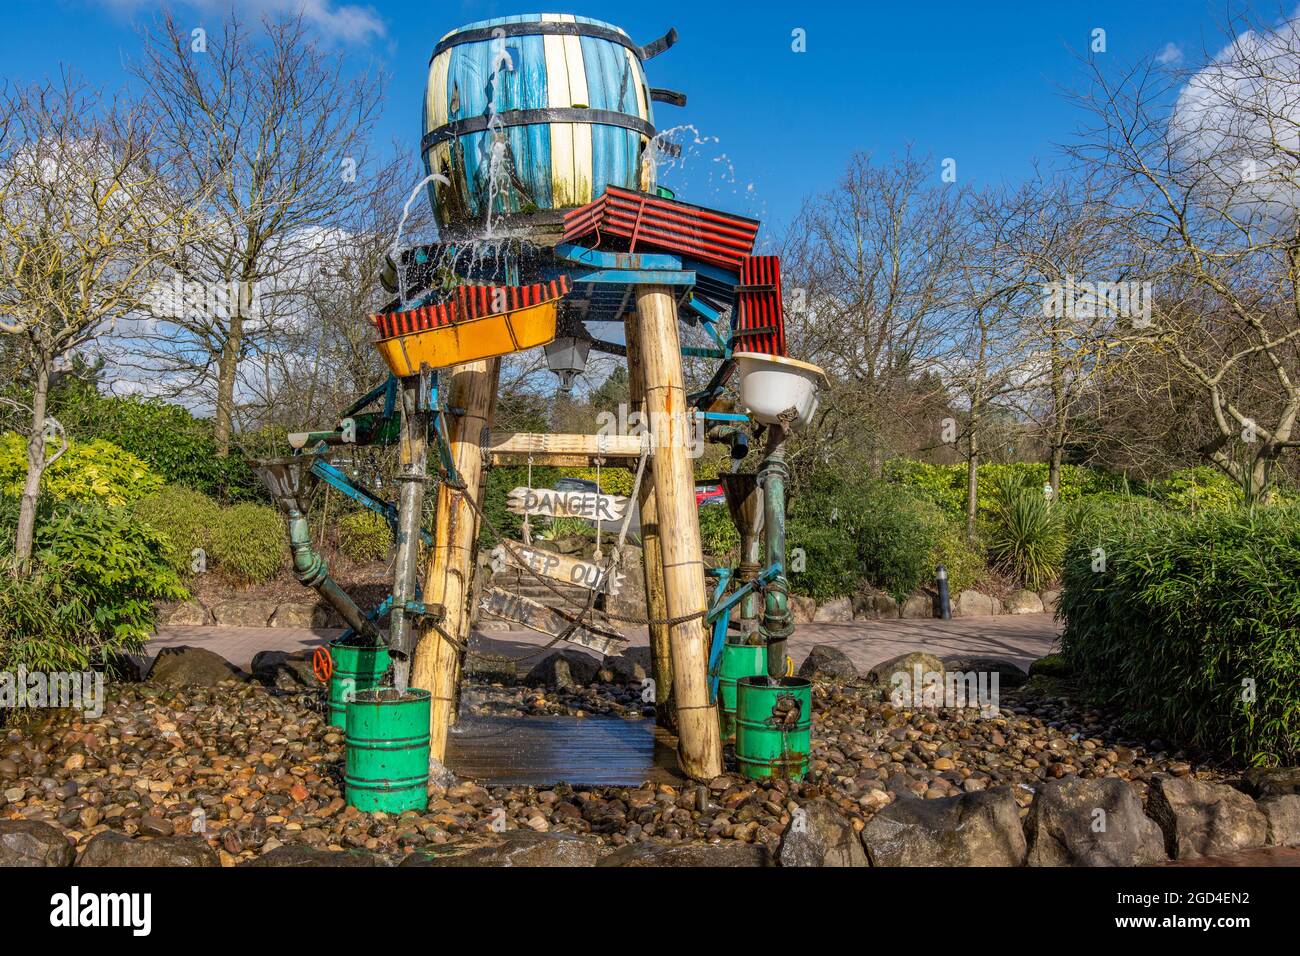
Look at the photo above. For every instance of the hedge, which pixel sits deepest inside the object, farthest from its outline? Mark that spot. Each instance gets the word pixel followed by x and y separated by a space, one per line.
pixel 1189 625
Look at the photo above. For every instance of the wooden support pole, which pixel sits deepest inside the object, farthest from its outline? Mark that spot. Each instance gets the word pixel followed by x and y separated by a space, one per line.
pixel 661 662
pixel 449 581
pixel 699 749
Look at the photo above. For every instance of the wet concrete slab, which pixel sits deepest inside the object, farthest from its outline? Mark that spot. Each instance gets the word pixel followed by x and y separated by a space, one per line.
pixel 543 751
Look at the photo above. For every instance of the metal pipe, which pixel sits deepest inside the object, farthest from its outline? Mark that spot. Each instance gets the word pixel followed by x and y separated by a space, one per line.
pixel 777 623
pixel 945 605
pixel 414 450
pixel 312 571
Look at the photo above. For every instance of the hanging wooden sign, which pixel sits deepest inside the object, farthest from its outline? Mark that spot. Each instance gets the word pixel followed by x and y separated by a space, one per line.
pixel 558 567
pixel 536 617
pixel 539 502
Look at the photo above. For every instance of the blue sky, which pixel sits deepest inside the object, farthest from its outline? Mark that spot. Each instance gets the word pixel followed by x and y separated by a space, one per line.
pixel 980 82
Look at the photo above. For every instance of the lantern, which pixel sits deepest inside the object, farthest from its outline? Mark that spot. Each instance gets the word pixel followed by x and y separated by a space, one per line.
pixel 566 356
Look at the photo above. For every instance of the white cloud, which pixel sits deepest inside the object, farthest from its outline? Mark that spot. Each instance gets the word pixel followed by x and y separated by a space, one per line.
pixel 341 22
pixel 1171 55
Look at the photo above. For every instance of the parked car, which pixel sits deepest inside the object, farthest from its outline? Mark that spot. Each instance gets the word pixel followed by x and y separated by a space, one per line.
pixel 709 493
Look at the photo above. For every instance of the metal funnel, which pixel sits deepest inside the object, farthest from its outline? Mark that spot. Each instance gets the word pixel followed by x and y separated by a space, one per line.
pixel 744 501
pixel 286 479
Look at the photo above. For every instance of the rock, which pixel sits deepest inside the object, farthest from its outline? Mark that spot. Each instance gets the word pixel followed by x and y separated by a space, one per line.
pixel 1204 819
pixel 252 613
pixel 1050 600
pixel 1053 665
pixel 297 855
pixel 632 666
pixel 975 604
pixel 1024 602
pixel 112 848
pixel 30 843
pixel 917 607
pixel 1009 675
pixel 650 853
pixel 882 675
pixel 567 670
pixel 294 614
pixel 512 848
pixel 178 666
pixel 188 614
pixel 1283 815
pixel 870 604
pixel 490 667
pixel 1094 822
pixel 837 611
pixel 827 662
pixel 819 835
pixel 973 829
pixel 1271 781
pixel 803 608
pixel 287 671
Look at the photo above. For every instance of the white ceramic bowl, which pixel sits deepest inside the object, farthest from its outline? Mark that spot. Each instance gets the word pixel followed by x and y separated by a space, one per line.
pixel 771 385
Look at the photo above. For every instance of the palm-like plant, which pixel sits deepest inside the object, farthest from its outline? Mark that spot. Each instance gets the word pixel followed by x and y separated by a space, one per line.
pixel 1027 535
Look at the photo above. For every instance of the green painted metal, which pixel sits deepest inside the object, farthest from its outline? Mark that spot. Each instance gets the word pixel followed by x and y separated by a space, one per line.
pixel 387 750
pixel 777 623
pixel 773 727
pixel 738 660
pixel 357 667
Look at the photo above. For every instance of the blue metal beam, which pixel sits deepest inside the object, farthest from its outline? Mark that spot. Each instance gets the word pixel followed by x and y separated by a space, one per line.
pixel 601 259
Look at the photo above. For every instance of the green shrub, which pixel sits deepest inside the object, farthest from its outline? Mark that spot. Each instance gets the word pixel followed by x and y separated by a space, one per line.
pixel 249 544
pixel 185 516
pixel 1026 536
pixel 826 574
pixel 1196 489
pixel 365 536
pixel 177 445
pixel 96 573
pixel 1190 626
pixel 718 534
pixel 963 562
pixel 945 485
pixel 94 471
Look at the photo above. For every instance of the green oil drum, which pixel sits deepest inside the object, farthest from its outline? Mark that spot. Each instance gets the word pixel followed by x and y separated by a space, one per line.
pixel 356 667
pixel 773 727
pixel 387 750
pixel 738 660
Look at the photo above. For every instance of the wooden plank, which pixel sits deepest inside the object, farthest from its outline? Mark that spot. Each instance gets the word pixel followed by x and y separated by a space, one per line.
pixel 520 445
pixel 536 617
pixel 545 503
pixel 558 567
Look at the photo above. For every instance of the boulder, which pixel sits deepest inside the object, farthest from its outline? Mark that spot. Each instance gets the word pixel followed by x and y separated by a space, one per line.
pixel 324 617
pixel 301 614
pixel 512 848
pixel 30 843
pixel 1271 781
pixel 177 666
pixel 1050 600
pixel 1204 819
pixel 870 605
pixel 1078 822
pixel 803 608
pixel 112 848
pixel 827 662
pixel 565 670
pixel 649 853
pixel 819 835
pixel 298 855
pixel 973 829
pixel 883 673
pixel 836 611
pixel 975 604
pixel 917 607
pixel 492 668
pixel 287 671
pixel 250 613
pixel 632 666
pixel 1024 602
pixel 1009 675
pixel 188 614
pixel 1283 815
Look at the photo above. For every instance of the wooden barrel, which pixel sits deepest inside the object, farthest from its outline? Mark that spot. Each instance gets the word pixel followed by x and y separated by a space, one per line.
pixel 572 110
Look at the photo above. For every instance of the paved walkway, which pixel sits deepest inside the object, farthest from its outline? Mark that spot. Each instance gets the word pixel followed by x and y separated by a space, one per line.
pixel 1017 638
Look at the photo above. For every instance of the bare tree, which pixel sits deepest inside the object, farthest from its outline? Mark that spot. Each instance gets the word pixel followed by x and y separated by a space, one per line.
pixel 86 226
pixel 274 132
pixel 1205 196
